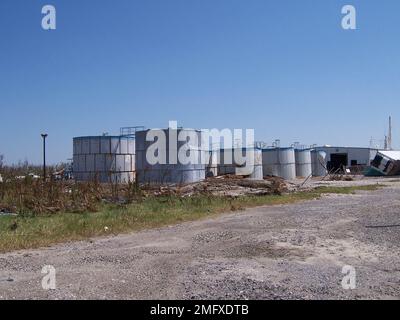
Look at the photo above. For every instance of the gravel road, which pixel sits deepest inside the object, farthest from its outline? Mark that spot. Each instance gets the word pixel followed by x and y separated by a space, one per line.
pixel 292 251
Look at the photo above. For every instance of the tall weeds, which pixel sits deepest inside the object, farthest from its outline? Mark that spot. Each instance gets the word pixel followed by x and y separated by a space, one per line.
pixel 31 196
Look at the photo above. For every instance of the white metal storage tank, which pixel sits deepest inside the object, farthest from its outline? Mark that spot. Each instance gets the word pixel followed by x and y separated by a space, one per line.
pixel 106 159
pixel 258 165
pixel 228 165
pixel 279 162
pixel 172 171
pixel 318 163
pixel 212 164
pixel 303 162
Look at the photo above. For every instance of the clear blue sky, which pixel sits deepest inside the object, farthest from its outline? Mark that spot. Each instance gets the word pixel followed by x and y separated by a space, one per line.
pixel 285 68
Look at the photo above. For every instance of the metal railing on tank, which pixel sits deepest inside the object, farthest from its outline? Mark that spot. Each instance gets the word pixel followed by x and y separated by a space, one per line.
pixel 130 131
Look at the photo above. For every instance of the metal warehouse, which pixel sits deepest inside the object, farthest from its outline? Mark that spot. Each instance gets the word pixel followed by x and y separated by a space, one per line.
pixel 339 157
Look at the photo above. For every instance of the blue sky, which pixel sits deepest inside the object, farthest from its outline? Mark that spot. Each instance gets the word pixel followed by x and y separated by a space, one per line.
pixel 285 68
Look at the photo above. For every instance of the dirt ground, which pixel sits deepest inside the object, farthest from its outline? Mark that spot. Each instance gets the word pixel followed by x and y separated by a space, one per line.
pixel 292 251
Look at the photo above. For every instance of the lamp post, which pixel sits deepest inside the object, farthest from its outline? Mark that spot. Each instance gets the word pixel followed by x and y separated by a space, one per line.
pixel 44 136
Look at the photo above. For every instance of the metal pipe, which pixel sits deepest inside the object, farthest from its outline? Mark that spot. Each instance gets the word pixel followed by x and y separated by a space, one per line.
pixel 44 136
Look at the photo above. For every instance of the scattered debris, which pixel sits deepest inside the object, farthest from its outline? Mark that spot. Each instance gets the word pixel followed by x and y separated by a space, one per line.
pixel 229 185
pixel 30 175
pixel 338 176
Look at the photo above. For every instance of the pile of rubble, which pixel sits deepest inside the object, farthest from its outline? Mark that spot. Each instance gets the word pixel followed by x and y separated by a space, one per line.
pixel 229 185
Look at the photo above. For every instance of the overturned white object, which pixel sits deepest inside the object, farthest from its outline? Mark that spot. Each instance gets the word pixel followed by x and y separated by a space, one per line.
pixel 387 162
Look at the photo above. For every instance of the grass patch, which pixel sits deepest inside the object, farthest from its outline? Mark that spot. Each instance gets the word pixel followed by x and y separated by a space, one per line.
pixel 348 189
pixel 23 232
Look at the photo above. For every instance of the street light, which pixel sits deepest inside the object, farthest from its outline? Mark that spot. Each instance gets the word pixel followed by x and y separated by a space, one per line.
pixel 44 136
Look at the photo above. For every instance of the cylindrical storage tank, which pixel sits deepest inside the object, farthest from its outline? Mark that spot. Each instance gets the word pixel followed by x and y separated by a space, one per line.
pixel 258 165
pixel 279 162
pixel 318 163
pixel 212 164
pixel 303 162
pixel 247 162
pixel 158 161
pixel 106 159
pixel 270 162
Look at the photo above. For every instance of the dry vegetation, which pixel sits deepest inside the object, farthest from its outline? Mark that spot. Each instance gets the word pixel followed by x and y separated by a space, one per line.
pixel 28 196
pixel 34 197
pixel 36 213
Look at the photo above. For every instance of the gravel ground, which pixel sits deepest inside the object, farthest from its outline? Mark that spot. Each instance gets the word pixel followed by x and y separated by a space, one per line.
pixel 292 251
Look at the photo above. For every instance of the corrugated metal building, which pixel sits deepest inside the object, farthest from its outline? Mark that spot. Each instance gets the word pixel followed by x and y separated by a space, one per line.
pixel 339 157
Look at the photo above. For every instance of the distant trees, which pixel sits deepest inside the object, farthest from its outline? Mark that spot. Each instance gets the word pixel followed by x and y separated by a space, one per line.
pixel 23 168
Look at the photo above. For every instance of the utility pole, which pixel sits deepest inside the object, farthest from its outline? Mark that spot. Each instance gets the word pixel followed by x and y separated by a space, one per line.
pixel 44 136
pixel 390 134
